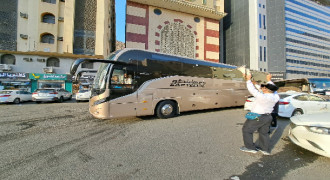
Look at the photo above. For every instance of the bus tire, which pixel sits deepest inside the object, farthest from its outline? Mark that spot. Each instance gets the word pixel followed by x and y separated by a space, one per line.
pixel 166 109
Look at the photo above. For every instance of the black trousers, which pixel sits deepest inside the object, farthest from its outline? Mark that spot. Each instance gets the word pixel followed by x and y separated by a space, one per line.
pixel 262 125
pixel 274 121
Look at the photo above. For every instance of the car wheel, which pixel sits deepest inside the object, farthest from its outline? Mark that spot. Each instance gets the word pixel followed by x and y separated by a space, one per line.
pixel 17 101
pixel 61 99
pixel 70 97
pixel 297 112
pixel 166 109
pixel 38 102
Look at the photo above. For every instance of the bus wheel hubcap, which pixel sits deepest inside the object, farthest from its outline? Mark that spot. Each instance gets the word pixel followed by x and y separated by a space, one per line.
pixel 167 109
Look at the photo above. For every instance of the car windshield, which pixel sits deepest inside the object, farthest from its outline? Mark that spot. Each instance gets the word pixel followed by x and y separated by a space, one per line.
pixel 45 90
pixel 5 92
pixel 82 91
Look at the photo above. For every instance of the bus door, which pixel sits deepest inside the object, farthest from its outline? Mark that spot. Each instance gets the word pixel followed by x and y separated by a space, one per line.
pixel 122 87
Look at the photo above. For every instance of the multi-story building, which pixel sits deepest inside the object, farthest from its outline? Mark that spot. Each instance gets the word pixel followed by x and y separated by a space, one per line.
pixel 307 39
pixel 245 34
pixel 46 36
pixel 182 27
pixel 289 38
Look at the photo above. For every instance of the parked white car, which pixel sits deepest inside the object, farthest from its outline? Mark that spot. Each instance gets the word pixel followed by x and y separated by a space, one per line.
pixel 14 96
pixel 59 95
pixel 312 132
pixel 292 104
pixel 83 95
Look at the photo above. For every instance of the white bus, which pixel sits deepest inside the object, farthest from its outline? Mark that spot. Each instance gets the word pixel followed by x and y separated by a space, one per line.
pixel 133 82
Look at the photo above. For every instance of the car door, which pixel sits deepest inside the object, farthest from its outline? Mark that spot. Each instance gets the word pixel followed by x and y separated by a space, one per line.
pixel 300 102
pixel 317 104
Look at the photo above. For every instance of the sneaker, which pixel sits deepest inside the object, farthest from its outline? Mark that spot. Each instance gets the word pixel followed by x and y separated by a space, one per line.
pixel 244 149
pixel 264 152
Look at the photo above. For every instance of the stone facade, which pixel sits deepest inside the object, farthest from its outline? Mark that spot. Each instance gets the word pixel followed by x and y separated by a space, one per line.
pixel 85 27
pixel 8 25
pixel 169 31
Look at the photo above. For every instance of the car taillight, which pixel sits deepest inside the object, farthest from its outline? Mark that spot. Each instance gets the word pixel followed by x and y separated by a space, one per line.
pixel 248 100
pixel 4 95
pixel 35 93
pixel 284 103
pixel 53 93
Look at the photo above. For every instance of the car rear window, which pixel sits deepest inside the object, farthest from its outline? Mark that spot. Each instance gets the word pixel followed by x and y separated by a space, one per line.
pixel 45 90
pixel 282 96
pixel 5 92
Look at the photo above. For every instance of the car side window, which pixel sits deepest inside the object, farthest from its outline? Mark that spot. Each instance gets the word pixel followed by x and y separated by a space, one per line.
pixel 301 98
pixel 315 98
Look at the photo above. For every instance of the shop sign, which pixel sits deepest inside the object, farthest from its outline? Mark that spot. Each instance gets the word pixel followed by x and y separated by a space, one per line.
pixel 38 76
pixel 9 75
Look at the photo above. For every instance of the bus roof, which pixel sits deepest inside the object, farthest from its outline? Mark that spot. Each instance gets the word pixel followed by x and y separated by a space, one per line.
pixel 169 57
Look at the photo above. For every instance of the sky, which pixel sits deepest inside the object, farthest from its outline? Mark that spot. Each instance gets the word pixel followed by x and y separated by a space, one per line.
pixel 120 19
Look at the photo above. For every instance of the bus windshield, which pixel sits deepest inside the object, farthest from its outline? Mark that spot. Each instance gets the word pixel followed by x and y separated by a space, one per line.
pixel 101 77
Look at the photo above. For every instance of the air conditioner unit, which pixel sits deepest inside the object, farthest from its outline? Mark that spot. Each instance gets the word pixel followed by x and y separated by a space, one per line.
pixel 28 59
pixel 5 67
pixel 24 15
pixel 60 38
pixel 48 70
pixel 23 36
pixel 41 60
pixel 60 18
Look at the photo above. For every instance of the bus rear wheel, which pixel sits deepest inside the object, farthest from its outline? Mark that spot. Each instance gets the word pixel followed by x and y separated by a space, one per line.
pixel 166 109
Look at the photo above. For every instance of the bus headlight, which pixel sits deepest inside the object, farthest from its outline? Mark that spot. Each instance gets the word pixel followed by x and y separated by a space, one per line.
pixel 320 130
pixel 100 101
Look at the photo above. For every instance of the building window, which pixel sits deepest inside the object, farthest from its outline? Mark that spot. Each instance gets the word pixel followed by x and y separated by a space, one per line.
pixel 197 19
pixel 87 65
pixel 259 5
pixel 260 69
pixel 49 1
pixel 264 37
pixel 47 38
pixel 260 53
pixel 8 59
pixel 259 20
pixel 263 6
pixel 53 62
pixel 264 70
pixel 265 54
pixel 157 11
pixel 264 21
pixel 204 2
pixel 48 18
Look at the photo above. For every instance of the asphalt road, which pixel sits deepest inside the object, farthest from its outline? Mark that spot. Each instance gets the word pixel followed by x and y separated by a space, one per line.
pixel 63 141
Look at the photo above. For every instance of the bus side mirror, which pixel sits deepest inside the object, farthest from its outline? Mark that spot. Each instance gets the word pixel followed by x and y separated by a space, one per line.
pixel 313 85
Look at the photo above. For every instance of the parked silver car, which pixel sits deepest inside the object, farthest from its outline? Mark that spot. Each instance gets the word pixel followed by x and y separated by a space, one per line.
pixel 14 96
pixel 43 95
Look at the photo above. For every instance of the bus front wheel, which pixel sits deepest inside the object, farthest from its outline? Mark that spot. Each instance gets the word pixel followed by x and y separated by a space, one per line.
pixel 166 109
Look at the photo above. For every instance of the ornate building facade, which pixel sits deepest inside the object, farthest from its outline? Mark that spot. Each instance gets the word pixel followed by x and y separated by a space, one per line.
pixel 187 28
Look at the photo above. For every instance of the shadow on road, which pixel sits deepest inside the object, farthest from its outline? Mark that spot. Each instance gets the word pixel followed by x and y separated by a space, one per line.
pixel 276 166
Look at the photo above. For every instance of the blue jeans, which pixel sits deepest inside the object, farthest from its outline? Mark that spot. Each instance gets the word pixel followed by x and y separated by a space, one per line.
pixel 262 125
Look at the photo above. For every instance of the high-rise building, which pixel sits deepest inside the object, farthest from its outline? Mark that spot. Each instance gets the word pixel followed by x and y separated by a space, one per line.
pixel 182 27
pixel 46 36
pixel 289 38
pixel 54 30
pixel 245 34
pixel 307 39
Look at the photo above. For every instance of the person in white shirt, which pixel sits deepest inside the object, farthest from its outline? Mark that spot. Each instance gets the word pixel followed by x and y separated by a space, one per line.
pixel 263 105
